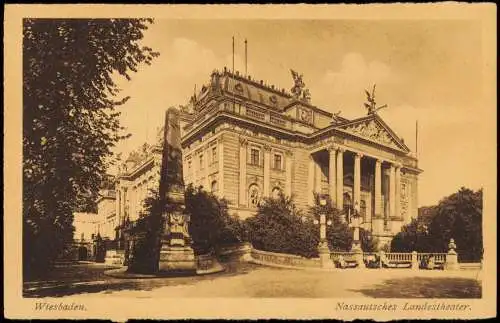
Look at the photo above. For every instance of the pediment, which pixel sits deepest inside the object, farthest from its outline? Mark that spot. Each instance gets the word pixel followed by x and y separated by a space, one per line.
pixel 375 130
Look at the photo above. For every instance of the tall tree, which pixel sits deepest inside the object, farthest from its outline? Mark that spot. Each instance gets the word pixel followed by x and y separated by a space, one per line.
pixel 458 216
pixel 70 120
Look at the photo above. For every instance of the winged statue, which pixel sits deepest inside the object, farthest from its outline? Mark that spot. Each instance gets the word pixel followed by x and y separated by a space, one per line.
pixel 371 105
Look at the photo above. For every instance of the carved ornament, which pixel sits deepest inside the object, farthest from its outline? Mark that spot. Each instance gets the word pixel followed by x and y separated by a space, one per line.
pixel 372 132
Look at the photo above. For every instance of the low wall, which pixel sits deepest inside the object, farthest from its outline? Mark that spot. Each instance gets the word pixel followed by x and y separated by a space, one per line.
pixel 239 251
pixel 283 260
pixel 208 264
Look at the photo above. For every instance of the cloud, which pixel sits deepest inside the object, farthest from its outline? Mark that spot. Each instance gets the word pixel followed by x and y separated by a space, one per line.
pixel 356 73
pixel 344 87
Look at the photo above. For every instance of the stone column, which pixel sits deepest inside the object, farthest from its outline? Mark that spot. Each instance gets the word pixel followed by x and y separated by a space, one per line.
pixel 267 174
pixel 397 191
pixel 357 181
pixel 340 178
pixel 195 174
pixel 378 187
pixel 243 171
pixel 220 166
pixel 117 203
pixel 392 191
pixel 310 181
pixel 332 174
pixel 317 178
pixel 288 173
pixel 206 158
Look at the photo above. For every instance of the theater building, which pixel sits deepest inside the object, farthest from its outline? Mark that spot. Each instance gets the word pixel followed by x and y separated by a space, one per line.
pixel 244 140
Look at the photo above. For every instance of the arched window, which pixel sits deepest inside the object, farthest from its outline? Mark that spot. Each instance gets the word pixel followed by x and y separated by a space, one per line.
pixel 214 186
pixel 253 195
pixel 276 192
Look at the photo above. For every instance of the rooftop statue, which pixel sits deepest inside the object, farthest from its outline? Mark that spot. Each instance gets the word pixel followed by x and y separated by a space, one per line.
pixel 298 90
pixel 371 105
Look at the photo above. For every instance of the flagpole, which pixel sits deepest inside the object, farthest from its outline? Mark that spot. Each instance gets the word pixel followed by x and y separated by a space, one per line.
pixel 234 98
pixel 246 61
pixel 416 138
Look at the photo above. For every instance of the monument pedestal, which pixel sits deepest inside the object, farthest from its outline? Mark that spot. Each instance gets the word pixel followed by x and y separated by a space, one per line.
pixel 177 259
pixel 324 255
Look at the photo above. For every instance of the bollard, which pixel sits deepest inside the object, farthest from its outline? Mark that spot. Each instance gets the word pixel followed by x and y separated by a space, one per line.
pixel 451 262
pixel 414 260
pixel 358 254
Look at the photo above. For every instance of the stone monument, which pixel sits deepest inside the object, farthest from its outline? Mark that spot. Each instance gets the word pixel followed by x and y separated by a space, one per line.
pixel 176 254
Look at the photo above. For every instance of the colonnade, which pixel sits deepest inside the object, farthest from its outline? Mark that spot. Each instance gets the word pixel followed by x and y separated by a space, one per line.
pixel 336 180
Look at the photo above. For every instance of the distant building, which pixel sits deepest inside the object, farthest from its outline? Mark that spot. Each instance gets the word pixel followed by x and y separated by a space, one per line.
pixel 86 228
pixel 243 140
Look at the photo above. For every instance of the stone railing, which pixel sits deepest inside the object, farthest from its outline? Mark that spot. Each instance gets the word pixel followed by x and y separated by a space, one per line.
pixel 283 260
pixel 438 257
pixel 347 255
pixel 254 114
pixel 399 257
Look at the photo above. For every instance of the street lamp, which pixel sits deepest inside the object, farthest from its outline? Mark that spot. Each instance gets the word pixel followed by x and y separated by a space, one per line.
pixel 356 243
pixel 323 249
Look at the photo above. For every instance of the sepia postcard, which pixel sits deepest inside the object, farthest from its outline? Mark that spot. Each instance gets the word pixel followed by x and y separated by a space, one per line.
pixel 250 161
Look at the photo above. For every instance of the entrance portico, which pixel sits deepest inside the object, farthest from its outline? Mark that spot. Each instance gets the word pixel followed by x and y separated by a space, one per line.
pixel 359 180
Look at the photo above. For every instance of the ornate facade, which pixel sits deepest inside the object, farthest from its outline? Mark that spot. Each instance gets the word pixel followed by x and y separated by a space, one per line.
pixel 244 140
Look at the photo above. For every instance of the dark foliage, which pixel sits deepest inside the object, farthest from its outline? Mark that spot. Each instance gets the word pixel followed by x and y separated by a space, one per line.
pixel 70 121
pixel 211 225
pixel 458 216
pixel 280 227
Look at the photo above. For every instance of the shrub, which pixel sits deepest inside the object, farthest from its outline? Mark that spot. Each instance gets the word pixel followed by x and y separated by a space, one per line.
pixel 278 226
pixel 211 225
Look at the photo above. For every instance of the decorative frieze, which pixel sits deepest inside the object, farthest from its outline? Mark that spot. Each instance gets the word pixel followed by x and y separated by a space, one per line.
pixel 373 132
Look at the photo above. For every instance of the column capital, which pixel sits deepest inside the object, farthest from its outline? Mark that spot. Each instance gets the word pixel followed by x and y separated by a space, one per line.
pixel 289 153
pixel 243 141
pixel 379 161
pixel 267 148
pixel 332 148
pixel 358 154
pixel 341 149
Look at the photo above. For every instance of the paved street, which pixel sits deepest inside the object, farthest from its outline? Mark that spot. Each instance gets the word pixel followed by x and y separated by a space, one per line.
pixel 249 280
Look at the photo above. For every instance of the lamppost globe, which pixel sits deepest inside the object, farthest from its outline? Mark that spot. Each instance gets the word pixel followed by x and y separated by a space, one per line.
pixel 329 222
pixel 316 221
pixel 322 202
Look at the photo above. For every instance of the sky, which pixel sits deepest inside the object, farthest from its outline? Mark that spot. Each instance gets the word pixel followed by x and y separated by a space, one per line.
pixel 426 70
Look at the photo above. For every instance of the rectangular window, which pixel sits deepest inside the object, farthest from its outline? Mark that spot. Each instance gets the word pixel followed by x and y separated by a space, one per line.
pixel 201 161
pixel 277 162
pixel 255 156
pixel 214 154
